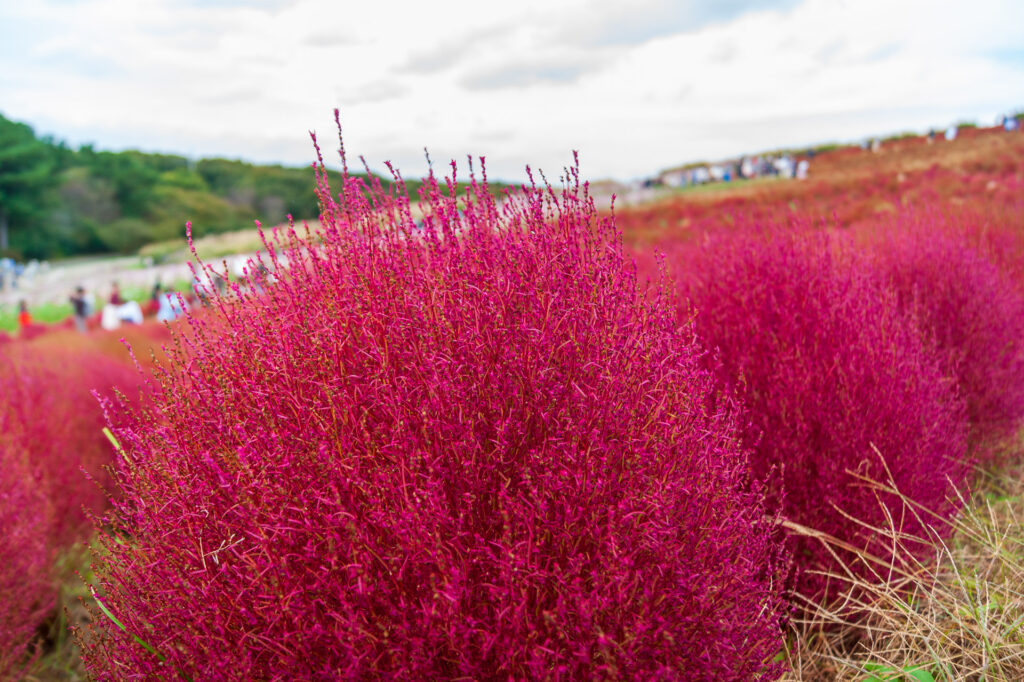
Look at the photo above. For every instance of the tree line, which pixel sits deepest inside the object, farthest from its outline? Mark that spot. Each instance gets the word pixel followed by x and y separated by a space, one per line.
pixel 58 201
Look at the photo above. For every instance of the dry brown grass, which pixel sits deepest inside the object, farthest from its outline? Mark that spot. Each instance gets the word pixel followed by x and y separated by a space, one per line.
pixel 210 247
pixel 956 615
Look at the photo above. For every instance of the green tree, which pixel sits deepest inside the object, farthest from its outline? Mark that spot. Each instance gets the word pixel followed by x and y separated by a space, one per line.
pixel 132 177
pixel 86 202
pixel 26 181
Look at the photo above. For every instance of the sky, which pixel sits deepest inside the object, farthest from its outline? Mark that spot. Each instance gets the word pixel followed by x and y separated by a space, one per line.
pixel 635 87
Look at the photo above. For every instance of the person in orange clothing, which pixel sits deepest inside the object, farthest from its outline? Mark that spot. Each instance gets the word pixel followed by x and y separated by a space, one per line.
pixel 24 316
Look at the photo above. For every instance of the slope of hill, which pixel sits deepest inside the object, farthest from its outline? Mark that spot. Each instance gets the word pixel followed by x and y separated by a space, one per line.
pixel 981 171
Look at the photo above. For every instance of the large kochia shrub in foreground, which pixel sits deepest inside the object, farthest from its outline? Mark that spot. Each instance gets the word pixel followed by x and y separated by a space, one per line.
pixel 840 387
pixel 462 448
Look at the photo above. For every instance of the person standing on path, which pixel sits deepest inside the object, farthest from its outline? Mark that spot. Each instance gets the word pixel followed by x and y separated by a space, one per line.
pixel 24 316
pixel 79 309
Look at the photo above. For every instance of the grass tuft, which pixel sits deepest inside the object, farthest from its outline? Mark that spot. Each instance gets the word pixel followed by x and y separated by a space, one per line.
pixel 955 614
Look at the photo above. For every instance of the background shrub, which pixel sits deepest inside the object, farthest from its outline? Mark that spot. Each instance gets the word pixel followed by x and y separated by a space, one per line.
pixel 55 421
pixel 26 590
pixel 974 311
pixel 467 448
pixel 829 370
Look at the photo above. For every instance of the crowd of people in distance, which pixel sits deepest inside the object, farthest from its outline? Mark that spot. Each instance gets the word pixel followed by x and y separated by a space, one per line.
pixel 782 164
pixel 163 304
pixel 13 273
pixel 744 168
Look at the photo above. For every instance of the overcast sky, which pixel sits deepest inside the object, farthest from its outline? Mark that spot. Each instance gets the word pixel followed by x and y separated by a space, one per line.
pixel 634 86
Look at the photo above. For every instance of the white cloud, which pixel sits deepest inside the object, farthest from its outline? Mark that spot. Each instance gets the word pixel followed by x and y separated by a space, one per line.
pixel 635 87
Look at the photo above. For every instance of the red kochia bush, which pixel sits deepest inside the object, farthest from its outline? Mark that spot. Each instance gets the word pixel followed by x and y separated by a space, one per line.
pixel 974 311
pixel 462 449
pixel 829 370
pixel 26 589
pixel 56 421
pixel 50 430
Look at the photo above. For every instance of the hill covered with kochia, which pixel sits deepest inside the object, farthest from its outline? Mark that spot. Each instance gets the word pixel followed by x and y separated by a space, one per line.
pixel 980 174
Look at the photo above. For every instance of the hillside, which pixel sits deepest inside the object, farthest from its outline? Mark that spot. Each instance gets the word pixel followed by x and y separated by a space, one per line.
pixel 56 201
pixel 981 171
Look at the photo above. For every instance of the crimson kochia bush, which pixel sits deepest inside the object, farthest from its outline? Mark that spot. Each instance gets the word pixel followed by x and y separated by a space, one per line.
pixel 26 584
pixel 974 311
pixel 841 389
pixel 52 451
pixel 463 448
pixel 55 419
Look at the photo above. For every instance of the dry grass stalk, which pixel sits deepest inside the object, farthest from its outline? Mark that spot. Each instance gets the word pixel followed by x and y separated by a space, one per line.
pixel 958 615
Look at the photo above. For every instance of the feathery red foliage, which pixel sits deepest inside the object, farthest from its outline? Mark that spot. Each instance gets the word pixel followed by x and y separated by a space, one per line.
pixel 469 449
pixel 50 431
pixel 55 420
pixel 26 589
pixel 829 370
pixel 974 311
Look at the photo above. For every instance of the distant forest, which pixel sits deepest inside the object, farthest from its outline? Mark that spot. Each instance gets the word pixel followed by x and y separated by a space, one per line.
pixel 57 201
